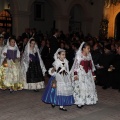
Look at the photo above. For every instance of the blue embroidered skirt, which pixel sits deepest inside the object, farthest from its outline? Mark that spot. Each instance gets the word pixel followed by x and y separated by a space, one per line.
pixel 51 97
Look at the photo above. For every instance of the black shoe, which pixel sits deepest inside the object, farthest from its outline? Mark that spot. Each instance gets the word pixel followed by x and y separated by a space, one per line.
pixel 11 91
pixel 36 90
pixel 114 88
pixel 52 105
pixel 104 87
pixel 63 109
pixel 79 106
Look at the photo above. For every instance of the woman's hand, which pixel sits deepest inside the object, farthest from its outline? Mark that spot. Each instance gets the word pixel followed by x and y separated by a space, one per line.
pixel 54 85
pixel 76 77
pixel 94 78
pixel 53 69
pixel 112 67
pixel 30 59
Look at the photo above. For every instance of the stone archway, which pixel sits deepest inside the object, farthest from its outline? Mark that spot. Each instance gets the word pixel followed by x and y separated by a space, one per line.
pixel 85 19
pixel 117 27
pixel 78 2
pixel 110 14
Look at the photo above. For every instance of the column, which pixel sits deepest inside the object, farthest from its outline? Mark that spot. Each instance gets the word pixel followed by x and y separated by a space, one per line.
pixel 20 22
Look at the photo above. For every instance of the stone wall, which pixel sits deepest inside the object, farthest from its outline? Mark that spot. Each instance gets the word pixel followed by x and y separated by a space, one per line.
pixel 58 11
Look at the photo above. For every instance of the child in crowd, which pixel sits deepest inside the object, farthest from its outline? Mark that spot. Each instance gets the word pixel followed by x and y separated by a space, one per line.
pixel 59 89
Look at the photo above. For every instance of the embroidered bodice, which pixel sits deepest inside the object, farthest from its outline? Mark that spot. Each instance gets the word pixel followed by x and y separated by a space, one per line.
pixel 34 57
pixel 87 65
pixel 11 54
pixel 84 62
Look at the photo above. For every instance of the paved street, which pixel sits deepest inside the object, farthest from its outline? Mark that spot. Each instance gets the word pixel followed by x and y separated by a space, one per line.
pixel 27 105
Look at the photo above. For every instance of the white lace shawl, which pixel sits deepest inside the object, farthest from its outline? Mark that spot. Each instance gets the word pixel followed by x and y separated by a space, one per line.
pixel 57 62
pixel 64 85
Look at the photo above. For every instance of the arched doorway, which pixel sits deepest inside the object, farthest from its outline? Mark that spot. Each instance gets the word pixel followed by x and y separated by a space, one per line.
pixel 76 18
pixel 117 27
pixel 111 13
pixel 6 21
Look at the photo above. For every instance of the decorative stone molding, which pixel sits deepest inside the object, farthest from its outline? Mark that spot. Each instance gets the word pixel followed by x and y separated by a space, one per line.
pixel 14 6
pixel 81 3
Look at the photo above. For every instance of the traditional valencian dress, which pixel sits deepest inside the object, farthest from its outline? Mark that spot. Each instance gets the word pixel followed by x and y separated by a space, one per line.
pixel 10 67
pixel 32 68
pixel 84 87
pixel 62 94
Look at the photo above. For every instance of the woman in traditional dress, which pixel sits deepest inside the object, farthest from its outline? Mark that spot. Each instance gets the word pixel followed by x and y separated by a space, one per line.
pixel 59 89
pixel 82 73
pixel 32 67
pixel 9 70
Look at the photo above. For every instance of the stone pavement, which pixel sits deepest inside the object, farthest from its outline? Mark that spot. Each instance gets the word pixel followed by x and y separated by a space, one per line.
pixel 27 105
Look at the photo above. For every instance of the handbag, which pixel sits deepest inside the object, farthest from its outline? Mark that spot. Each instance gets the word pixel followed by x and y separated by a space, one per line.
pixel 5 64
pixel 54 83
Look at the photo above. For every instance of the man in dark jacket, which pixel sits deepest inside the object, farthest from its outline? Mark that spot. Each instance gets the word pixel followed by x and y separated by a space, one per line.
pixel 102 69
pixel 114 70
pixel 54 44
pixel 44 52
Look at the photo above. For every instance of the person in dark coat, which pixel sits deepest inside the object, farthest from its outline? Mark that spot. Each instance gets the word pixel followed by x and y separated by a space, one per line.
pixel 96 54
pixel 26 33
pixel 69 54
pixel 62 36
pixel 75 47
pixel 54 45
pixel 102 67
pixel 114 70
pixel 23 44
pixel 44 52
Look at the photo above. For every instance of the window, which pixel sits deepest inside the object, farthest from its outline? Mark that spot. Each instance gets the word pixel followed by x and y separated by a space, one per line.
pixel 6 21
pixel 39 11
